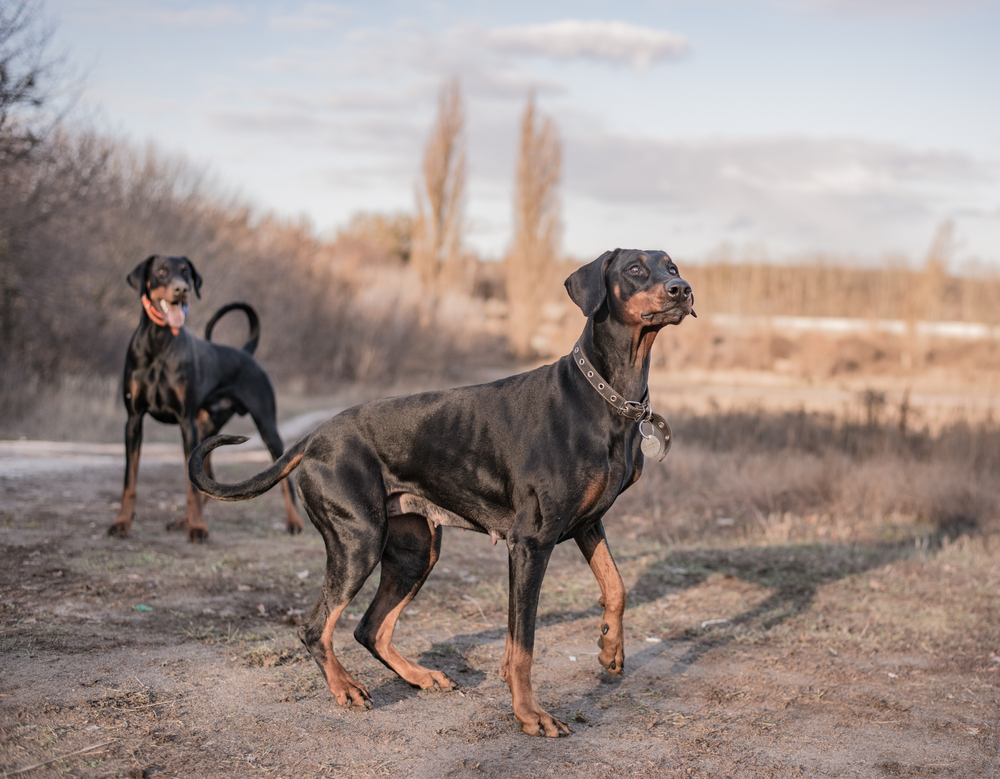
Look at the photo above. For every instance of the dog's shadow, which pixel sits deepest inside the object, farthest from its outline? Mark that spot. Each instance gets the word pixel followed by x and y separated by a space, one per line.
pixel 441 656
pixel 792 573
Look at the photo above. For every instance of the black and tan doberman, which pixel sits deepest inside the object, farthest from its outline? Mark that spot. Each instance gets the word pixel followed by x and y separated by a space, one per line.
pixel 534 459
pixel 183 380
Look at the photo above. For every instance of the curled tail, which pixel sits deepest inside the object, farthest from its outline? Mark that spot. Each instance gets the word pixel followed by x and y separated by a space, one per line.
pixel 251 345
pixel 250 488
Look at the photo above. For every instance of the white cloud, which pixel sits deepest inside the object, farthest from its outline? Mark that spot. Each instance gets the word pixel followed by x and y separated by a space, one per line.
pixel 311 16
pixel 212 16
pixel 113 12
pixel 774 166
pixel 845 195
pixel 884 8
pixel 576 39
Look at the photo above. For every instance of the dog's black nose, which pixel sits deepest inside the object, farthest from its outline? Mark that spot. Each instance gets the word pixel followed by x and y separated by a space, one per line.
pixel 678 289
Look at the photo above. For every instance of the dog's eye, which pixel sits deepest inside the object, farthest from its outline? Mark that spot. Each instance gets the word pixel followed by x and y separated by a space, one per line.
pixel 161 272
pixel 635 270
pixel 673 270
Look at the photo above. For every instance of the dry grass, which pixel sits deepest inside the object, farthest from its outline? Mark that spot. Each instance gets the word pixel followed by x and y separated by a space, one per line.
pixel 817 477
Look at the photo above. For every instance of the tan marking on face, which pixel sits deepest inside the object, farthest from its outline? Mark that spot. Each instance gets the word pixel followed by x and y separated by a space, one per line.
pixel 645 302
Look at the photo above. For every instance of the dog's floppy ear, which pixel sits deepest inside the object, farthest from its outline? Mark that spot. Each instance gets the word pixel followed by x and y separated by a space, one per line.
pixel 137 278
pixel 195 277
pixel 587 286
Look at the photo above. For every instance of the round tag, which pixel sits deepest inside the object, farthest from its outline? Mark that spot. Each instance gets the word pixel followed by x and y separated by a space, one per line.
pixel 650 446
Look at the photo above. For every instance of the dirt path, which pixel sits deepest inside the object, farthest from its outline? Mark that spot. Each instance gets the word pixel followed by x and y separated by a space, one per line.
pixel 153 657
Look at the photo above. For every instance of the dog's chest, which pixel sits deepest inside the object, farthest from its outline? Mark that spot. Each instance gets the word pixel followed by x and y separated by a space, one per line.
pixel 156 389
pixel 602 488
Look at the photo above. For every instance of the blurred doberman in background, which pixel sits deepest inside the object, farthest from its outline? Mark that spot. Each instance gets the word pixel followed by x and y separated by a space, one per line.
pixel 535 459
pixel 180 379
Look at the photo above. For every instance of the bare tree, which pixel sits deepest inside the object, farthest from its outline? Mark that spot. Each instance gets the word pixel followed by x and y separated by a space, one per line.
pixel 437 231
pixel 29 80
pixel 531 262
pixel 40 169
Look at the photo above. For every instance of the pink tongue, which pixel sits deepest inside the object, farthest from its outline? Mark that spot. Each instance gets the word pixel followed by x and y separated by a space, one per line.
pixel 175 316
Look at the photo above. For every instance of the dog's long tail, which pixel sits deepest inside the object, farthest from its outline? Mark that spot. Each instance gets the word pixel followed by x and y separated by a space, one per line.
pixel 250 488
pixel 251 345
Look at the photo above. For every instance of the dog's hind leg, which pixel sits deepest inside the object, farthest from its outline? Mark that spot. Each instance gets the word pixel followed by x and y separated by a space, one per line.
pixel 411 549
pixel 355 535
pixel 317 635
pixel 206 429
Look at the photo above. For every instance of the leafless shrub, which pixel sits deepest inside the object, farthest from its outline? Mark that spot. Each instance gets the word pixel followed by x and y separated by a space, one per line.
pixel 379 237
pixel 328 313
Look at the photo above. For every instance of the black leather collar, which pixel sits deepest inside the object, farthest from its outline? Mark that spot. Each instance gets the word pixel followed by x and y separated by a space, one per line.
pixel 633 409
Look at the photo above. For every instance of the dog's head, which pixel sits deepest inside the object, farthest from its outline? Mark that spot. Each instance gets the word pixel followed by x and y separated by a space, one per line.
pixel 167 282
pixel 641 289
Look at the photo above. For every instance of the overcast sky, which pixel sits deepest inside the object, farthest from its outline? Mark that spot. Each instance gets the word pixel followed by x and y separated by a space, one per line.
pixel 849 127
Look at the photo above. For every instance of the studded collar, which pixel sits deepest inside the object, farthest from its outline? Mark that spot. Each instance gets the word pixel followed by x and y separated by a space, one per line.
pixel 633 409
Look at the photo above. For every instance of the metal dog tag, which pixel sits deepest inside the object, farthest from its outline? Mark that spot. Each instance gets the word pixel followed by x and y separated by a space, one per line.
pixel 652 444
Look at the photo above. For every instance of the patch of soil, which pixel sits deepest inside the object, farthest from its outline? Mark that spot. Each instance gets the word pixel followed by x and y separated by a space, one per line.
pixel 154 657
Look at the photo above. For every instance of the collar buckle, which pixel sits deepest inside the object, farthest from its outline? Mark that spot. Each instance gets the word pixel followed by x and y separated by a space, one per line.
pixel 633 409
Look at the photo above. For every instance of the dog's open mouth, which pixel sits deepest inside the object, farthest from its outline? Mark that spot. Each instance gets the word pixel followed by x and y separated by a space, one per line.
pixel 175 312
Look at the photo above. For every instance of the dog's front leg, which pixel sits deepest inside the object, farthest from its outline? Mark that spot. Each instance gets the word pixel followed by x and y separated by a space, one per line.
pixel 594 545
pixel 193 520
pixel 528 558
pixel 122 525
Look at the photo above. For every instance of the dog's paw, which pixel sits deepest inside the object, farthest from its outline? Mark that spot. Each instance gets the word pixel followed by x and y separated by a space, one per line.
pixel 438 681
pixel 352 696
pixel 612 655
pixel 120 528
pixel 197 534
pixel 540 723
